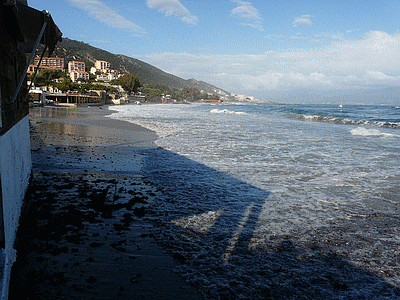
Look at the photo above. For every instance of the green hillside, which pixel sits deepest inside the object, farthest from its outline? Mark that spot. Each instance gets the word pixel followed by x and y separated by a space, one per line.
pixel 147 74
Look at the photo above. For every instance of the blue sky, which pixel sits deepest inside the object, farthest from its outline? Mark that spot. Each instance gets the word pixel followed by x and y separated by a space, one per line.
pixel 257 47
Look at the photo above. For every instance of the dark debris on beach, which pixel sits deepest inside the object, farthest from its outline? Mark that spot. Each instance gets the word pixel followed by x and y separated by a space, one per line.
pixel 84 236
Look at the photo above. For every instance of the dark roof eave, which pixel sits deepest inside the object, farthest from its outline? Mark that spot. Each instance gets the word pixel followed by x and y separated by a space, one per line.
pixel 30 22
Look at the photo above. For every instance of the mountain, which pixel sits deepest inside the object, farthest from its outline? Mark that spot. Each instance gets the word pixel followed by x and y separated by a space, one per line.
pixel 147 74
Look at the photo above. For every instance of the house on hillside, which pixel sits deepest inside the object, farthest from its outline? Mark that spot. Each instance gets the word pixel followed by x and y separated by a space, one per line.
pixel 34 68
pixel 106 73
pixel 76 70
pixel 76 66
pixel 76 75
pixel 102 66
pixel 56 63
pixel 22 28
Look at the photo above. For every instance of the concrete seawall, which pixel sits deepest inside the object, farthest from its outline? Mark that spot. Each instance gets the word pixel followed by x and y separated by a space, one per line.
pixel 15 170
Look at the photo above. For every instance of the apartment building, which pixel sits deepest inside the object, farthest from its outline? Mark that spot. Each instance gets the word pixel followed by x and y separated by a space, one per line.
pixel 102 66
pixel 51 62
pixel 33 68
pixel 76 66
pixel 75 75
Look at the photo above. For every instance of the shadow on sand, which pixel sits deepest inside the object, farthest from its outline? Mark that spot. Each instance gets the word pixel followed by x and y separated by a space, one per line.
pixel 207 220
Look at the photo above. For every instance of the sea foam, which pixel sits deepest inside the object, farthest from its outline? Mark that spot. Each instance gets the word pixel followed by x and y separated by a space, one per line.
pixel 362 131
pixel 227 111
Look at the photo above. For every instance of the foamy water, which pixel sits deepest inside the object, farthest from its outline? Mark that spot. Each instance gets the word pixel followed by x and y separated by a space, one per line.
pixel 239 179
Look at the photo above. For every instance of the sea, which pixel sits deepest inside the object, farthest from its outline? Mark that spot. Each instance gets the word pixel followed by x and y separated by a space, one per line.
pixel 277 201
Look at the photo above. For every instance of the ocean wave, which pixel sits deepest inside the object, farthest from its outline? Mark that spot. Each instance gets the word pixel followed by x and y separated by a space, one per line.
pixel 362 131
pixel 345 121
pixel 227 111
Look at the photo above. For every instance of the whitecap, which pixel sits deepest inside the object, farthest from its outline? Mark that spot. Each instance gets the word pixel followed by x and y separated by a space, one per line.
pixel 227 111
pixel 362 131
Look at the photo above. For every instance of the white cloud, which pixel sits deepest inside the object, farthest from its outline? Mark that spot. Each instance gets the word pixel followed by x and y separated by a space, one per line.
pixel 248 13
pixel 173 8
pixel 367 63
pixel 302 20
pixel 105 14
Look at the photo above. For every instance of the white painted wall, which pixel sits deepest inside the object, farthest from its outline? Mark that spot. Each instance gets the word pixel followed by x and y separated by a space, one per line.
pixel 15 171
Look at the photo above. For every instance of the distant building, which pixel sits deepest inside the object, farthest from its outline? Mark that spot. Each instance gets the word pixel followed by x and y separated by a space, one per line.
pixel 113 74
pixel 32 68
pixel 51 62
pixel 102 66
pixel 102 77
pixel 75 75
pixel 76 66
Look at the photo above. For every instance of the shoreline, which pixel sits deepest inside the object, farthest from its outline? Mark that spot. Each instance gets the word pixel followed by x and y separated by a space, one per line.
pixel 91 237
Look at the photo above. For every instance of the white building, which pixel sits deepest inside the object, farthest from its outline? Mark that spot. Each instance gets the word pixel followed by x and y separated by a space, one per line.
pixel 76 66
pixel 102 77
pixel 75 75
pixel 102 66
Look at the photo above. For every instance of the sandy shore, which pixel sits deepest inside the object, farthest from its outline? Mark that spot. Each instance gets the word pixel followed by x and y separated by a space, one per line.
pixel 85 232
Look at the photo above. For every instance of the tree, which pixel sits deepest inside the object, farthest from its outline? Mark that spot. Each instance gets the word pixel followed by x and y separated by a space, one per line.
pixel 190 93
pixel 152 94
pixel 129 82
pixel 45 76
pixel 65 85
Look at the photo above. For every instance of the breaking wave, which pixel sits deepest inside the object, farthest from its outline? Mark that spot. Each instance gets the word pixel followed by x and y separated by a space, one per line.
pixel 345 121
pixel 362 131
pixel 227 111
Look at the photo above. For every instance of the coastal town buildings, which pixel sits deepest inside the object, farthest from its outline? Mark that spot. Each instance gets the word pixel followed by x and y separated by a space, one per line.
pixel 52 63
pixel 102 77
pixel 102 66
pixel 76 66
pixel 56 63
pixel 76 75
pixel 76 70
pixel 102 70
pixel 32 68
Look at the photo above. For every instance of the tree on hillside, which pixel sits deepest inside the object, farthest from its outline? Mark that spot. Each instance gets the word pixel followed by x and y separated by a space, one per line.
pixel 65 85
pixel 191 94
pixel 129 82
pixel 45 76
pixel 152 94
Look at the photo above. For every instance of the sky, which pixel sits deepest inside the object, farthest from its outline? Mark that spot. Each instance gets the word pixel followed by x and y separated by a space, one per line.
pixel 287 50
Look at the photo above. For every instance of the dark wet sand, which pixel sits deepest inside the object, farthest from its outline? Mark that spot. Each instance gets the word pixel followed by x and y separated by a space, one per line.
pixel 85 231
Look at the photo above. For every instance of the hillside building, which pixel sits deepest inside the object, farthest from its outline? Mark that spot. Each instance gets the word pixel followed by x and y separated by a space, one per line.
pixel 102 77
pixel 76 66
pixel 51 62
pixel 102 66
pixel 32 68
pixel 76 75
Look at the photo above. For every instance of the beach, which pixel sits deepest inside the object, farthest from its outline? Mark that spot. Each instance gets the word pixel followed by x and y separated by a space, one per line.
pixel 84 231
pixel 208 202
